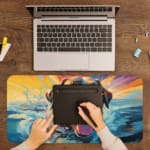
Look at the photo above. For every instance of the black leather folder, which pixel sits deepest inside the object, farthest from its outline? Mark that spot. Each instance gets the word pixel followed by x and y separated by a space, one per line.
pixel 67 98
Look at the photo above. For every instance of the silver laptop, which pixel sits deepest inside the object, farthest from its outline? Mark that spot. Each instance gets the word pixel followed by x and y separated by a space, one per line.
pixel 74 37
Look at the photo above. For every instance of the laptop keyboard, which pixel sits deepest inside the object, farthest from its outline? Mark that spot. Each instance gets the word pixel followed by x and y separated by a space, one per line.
pixel 74 38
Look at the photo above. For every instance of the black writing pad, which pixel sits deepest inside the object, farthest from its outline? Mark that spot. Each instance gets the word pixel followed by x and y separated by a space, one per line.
pixel 67 98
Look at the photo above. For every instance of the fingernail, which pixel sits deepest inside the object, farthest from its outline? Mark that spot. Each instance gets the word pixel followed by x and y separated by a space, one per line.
pixel 79 108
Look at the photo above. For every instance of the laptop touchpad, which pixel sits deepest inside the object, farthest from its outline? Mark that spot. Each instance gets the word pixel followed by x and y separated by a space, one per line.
pixel 72 60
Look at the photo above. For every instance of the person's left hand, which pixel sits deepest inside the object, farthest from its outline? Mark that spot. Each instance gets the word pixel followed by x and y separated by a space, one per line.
pixel 40 132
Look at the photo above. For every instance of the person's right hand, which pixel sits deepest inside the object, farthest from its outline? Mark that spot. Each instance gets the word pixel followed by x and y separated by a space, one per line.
pixel 95 114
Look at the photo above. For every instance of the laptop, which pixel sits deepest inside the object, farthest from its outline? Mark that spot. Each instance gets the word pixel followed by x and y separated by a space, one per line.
pixel 74 37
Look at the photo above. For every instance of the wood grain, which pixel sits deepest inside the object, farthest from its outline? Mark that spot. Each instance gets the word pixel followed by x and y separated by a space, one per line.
pixel 132 19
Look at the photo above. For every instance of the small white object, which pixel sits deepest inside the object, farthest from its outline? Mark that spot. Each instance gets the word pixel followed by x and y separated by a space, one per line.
pixel 137 52
pixel 136 39
pixel 149 54
pixel 146 34
pixel 4 51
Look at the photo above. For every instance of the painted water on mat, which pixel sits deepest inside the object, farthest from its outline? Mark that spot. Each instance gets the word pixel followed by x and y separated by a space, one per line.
pixel 26 102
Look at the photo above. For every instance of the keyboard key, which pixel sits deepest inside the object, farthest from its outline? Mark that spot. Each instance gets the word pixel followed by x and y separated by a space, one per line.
pixel 103 40
pixel 46 39
pixel 40 40
pixel 85 39
pixel 54 34
pixel 68 44
pixel 82 44
pixel 94 39
pixel 109 39
pixel 64 34
pixel 74 35
pixel 104 44
pixel 63 44
pixel 93 34
pixel 65 39
pixel 87 44
pixel 88 35
pixel 75 39
pixel 98 35
pixel 94 49
pixel 109 49
pixel 53 29
pixel 69 49
pixel 80 39
pixel 51 39
pixel 39 49
pixel 103 35
pixel 86 30
pixel 70 39
pixel 89 39
pixel 109 34
pixel 109 44
pixel 78 35
pixel 83 35
pixel 39 30
pixel 76 30
pixel 45 49
pixel 43 30
pixel 100 49
pixel 69 34
pixel 58 44
pixel 58 30
pixel 104 49
pixel 72 44
pixel 55 39
pixel 54 49
pixel 77 45
pixel 100 39
pixel 60 39
pixel 48 44
pixel 91 44
pixel 41 44
pixel 39 34
pixel 96 30
pixel 87 49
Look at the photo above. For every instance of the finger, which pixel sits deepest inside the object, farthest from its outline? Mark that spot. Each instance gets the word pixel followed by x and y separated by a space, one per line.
pixel 85 118
pixel 49 120
pixel 37 121
pixel 88 105
pixel 50 132
pixel 41 123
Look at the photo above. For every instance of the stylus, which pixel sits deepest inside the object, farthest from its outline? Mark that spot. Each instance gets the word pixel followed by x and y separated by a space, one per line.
pixel 92 120
pixel 88 115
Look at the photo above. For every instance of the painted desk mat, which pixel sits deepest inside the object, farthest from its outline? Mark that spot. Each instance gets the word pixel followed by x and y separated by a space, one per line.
pixel 26 101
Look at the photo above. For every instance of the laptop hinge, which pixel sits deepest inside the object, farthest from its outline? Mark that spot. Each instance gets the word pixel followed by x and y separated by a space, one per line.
pixel 75 18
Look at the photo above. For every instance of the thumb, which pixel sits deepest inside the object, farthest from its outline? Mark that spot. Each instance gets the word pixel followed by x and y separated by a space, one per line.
pixel 50 132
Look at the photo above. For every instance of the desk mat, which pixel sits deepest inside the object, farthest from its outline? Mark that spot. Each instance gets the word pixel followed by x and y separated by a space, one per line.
pixel 26 101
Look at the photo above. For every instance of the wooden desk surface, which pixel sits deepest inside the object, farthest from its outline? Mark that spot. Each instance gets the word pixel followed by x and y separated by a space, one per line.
pixel 132 19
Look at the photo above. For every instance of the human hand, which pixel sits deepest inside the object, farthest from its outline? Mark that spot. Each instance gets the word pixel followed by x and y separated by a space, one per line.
pixel 40 132
pixel 95 114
